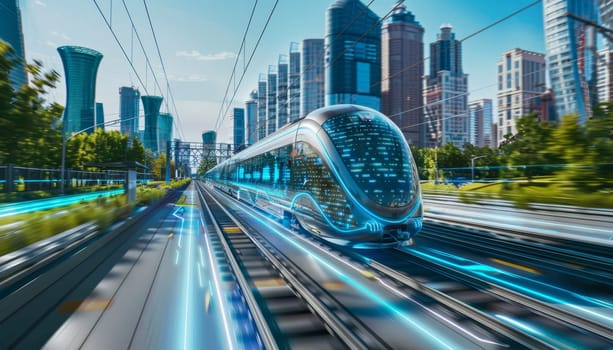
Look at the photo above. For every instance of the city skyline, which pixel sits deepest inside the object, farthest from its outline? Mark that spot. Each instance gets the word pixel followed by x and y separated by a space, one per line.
pixel 199 75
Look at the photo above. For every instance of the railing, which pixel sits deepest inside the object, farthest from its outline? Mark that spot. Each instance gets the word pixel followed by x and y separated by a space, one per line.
pixel 22 179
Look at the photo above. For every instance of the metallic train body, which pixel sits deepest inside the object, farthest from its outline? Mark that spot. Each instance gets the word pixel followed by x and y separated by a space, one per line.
pixel 344 172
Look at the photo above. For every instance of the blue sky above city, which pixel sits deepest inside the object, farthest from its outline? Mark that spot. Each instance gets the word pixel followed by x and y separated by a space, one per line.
pixel 199 41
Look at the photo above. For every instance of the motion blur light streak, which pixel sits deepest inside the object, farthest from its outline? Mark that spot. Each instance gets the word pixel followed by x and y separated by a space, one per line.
pixel 484 271
pixel 428 333
pixel 540 335
pixel 220 300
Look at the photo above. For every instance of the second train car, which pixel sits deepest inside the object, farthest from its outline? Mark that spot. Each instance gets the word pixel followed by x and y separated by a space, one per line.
pixel 345 172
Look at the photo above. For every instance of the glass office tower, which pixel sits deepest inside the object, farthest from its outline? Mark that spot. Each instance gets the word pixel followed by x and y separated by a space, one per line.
pixel 12 32
pixel 151 105
pixel 80 71
pixel 129 103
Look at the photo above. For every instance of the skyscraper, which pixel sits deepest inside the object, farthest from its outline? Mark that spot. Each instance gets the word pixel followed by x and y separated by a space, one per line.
pixel 239 128
pixel 282 90
pixel 12 32
pixel 481 122
pixel 353 57
pixel 313 69
pixel 271 100
pixel 262 106
pixel 605 75
pixel 151 105
pixel 99 115
pixel 606 18
pixel 446 94
pixel 521 82
pixel 570 57
pixel 80 71
pixel 129 106
pixel 402 66
pixel 294 82
pixel 251 108
pixel 164 131
pixel 209 137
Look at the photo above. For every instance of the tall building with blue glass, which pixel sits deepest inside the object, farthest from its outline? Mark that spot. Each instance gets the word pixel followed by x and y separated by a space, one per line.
pixel 129 106
pixel 294 82
pixel 446 96
pixel 151 105
pixel 80 71
pixel 165 131
pixel 271 100
pixel 571 59
pixel 99 115
pixel 262 106
pixel 251 109
pixel 282 91
pixel 353 57
pixel 239 128
pixel 209 137
pixel 11 32
pixel 312 94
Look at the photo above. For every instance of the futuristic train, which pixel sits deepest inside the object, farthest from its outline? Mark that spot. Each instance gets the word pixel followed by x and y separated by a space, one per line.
pixel 344 172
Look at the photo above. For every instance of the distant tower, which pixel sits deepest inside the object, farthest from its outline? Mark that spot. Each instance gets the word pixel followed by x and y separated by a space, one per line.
pixel 272 100
pixel 353 55
pixel 262 106
pixel 606 18
pixel 239 128
pixel 11 31
pixel 313 69
pixel 521 80
pixel 294 82
pixel 129 103
pixel 571 58
pixel 80 70
pixel 605 75
pixel 251 108
pixel 446 95
pixel 165 131
pixel 402 71
pixel 99 115
pixel 481 122
pixel 151 105
pixel 209 137
pixel 282 92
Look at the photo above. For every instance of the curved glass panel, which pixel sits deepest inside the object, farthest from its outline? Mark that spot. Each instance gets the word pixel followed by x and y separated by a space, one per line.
pixel 374 152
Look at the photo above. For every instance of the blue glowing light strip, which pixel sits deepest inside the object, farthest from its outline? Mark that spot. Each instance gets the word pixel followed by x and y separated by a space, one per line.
pixel 482 270
pixel 357 286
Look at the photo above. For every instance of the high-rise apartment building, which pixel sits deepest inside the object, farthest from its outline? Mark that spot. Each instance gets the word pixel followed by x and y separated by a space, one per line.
pixel 99 115
pixel 570 46
pixel 294 82
pixel 80 71
pixel 313 69
pixel 282 91
pixel 129 106
pixel 481 122
pixel 262 106
pixel 11 32
pixel 446 95
pixel 604 83
pixel 402 58
pixel 606 20
pixel 521 82
pixel 353 55
pixel 151 106
pixel 251 109
pixel 239 128
pixel 271 100
pixel 165 131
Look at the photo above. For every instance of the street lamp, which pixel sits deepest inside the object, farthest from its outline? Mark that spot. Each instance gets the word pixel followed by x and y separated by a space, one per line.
pixel 65 140
pixel 472 167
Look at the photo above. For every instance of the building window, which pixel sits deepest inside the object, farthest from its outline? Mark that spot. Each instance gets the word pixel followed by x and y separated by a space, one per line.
pixel 363 77
pixel 508 62
pixel 508 80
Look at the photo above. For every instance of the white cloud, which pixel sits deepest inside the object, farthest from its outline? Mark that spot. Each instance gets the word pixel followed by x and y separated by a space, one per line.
pixel 195 54
pixel 51 43
pixel 40 3
pixel 61 35
pixel 191 78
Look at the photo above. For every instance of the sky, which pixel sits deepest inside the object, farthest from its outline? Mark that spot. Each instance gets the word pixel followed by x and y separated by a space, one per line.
pixel 199 41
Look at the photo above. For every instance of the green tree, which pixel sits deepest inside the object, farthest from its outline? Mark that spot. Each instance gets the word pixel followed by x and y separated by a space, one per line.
pixel 29 126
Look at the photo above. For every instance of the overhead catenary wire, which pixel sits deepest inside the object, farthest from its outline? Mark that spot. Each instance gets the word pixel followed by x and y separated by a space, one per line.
pixel 169 94
pixel 257 44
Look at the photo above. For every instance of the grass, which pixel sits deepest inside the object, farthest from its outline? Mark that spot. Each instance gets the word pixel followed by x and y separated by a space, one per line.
pixel 523 192
pixel 19 231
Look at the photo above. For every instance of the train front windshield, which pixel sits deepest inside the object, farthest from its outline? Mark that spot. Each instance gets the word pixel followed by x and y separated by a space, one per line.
pixel 376 155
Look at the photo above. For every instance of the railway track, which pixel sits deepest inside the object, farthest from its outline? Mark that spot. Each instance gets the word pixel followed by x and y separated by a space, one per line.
pixel 290 310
